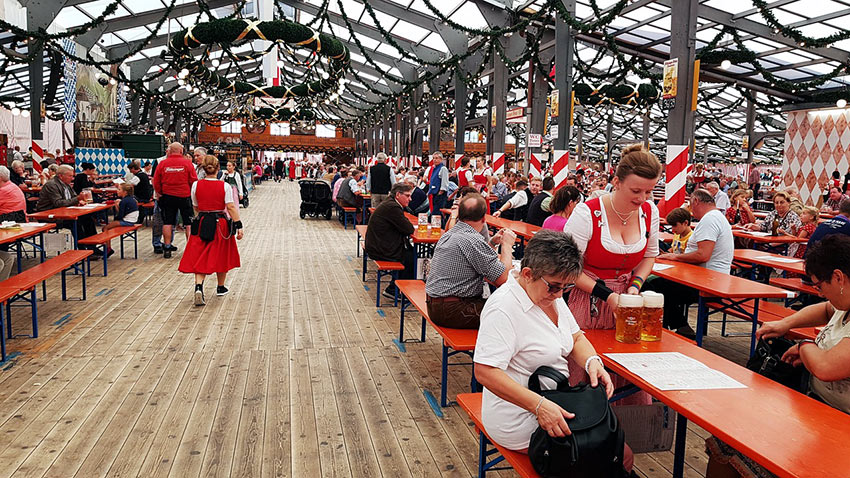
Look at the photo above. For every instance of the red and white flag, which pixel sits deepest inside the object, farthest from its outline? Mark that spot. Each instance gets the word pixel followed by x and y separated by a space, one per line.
pixel 534 167
pixel 560 167
pixel 499 163
pixel 458 158
pixel 37 156
pixel 676 177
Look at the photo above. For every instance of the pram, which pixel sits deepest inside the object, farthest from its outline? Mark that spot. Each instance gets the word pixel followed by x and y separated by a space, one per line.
pixel 315 198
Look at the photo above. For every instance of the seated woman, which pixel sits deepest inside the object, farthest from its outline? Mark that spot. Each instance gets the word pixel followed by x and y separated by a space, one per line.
pixel 827 358
pixel 526 324
pixel 740 214
pixel 128 211
pixel 562 204
pixel 787 221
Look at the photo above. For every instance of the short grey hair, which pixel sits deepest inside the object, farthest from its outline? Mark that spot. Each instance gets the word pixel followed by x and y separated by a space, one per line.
pixel 4 173
pixel 175 148
pixel 552 253
pixel 702 196
pixel 712 184
pixel 202 149
pixel 437 153
pixel 400 188
pixel 17 163
pixel 64 169
pixel 381 158
pixel 53 167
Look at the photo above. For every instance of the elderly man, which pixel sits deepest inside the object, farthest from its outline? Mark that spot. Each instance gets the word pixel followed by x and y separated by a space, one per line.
pixel 711 246
pixel 198 155
pixel 835 198
pixel 350 192
pixel 172 184
pixel 388 232
pixel 17 174
pixel 840 224
pixel 438 184
pixel 379 180
pixel 57 192
pixel 463 258
pixel 418 199
pixel 13 204
pixel 721 199
pixel 516 207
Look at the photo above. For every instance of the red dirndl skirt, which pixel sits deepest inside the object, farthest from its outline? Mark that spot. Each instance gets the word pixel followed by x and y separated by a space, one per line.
pixel 218 255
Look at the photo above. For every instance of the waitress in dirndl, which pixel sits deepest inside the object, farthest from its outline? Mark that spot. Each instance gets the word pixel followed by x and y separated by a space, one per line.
pixel 618 235
pixel 212 245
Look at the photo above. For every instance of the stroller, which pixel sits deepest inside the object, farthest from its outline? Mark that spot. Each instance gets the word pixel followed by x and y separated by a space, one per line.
pixel 315 198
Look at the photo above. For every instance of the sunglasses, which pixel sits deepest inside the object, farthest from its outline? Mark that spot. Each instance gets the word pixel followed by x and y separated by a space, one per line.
pixel 556 288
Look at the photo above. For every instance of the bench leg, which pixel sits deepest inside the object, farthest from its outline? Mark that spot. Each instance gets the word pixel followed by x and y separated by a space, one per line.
pixel 34 307
pixel 84 287
pixel 9 319
pixel 423 330
pixel 122 245
pixel 64 290
pixel 702 319
pixel 444 375
pixel 754 326
pixel 378 290
pixel 395 297
pixel 2 338
pixel 105 255
pixel 401 320
pixel 136 244
pixel 364 266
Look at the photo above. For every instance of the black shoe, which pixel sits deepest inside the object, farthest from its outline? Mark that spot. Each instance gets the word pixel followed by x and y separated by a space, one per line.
pixel 171 247
pixel 96 254
pixel 687 332
pixel 110 252
pixel 157 250
pixel 389 293
pixel 166 253
pixel 221 290
pixel 199 296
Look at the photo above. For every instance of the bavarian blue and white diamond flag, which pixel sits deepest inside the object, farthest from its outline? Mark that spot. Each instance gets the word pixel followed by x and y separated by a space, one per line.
pixel 70 82
pixel 122 104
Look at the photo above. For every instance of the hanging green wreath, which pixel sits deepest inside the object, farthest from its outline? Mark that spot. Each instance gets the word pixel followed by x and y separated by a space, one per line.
pixel 623 95
pixel 229 31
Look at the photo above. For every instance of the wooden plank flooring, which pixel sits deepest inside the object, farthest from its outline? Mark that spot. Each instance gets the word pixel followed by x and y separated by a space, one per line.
pixel 293 374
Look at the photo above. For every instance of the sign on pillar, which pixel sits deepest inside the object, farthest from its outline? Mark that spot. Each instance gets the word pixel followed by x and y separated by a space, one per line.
pixel 499 163
pixel 458 158
pixel 560 167
pixel 37 156
pixel 676 177
pixel 534 166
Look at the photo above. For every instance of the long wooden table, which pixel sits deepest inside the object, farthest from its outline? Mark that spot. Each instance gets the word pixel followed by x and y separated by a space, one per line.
pixel 773 425
pixel 70 213
pixel 727 290
pixel 767 259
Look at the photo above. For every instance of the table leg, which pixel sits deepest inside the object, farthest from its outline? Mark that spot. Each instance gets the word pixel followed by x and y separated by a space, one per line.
pixel 679 456
pixel 754 326
pixel 18 246
pixel 702 319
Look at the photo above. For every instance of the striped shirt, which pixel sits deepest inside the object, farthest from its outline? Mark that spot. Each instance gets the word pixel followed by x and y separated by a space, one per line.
pixel 462 260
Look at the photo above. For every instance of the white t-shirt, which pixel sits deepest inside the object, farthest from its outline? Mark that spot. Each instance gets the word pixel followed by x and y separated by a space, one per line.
pixel 518 337
pixel 580 227
pixel 714 227
pixel 228 192
pixel 835 393
pixel 519 199
pixel 722 201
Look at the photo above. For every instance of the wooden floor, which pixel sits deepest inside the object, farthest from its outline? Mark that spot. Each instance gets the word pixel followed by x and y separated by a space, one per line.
pixel 294 373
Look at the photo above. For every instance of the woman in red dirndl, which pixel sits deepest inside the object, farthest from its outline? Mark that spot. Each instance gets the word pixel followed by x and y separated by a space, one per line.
pixel 212 249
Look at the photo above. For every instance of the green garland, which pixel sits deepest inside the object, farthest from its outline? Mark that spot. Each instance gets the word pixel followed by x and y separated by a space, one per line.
pixel 230 31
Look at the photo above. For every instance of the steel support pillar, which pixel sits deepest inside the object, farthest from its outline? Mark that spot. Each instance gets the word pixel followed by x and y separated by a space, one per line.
pixel 564 46
pixel 538 90
pixel 751 122
pixel 460 118
pixel 434 120
pixel 680 121
pixel 498 92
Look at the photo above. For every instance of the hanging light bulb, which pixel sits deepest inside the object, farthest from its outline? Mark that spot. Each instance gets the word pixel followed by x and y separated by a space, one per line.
pixel 126 88
pixel 112 82
pixel 204 95
pixel 841 103
pixel 195 89
pixel 188 87
pixel 25 113
pixel 181 82
pixel 216 63
pixel 725 64
pixel 183 73
pixel 16 111
pixel 313 104
pixel 325 75
pixel 226 103
pixel 280 63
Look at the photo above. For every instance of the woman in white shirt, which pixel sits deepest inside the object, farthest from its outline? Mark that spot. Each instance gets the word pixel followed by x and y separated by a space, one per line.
pixel 524 325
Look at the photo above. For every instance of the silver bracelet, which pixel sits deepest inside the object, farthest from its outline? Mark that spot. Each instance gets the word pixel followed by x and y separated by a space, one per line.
pixel 537 408
pixel 587 362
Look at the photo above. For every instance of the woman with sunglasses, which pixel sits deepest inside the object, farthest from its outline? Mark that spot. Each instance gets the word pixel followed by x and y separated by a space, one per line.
pixel 524 325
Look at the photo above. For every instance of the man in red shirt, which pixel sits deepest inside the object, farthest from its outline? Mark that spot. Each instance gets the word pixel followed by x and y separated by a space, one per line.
pixel 172 184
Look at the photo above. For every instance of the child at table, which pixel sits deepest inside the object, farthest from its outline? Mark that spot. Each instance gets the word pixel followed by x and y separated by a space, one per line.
pixel 679 220
pixel 128 211
pixel 809 218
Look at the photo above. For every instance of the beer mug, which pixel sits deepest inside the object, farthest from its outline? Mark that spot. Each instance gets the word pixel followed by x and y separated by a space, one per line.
pixel 87 195
pixel 436 225
pixel 423 222
pixel 652 319
pixel 628 319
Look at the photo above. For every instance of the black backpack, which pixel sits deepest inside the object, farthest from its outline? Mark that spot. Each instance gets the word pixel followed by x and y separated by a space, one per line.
pixel 767 361
pixel 595 447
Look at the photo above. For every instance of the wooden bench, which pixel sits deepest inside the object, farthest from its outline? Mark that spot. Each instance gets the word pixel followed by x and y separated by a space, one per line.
pixel 146 210
pixel 348 212
pixel 471 404
pixel 6 293
pixel 101 241
pixel 456 340
pixel 768 311
pixel 27 281
pixel 385 268
pixel 796 284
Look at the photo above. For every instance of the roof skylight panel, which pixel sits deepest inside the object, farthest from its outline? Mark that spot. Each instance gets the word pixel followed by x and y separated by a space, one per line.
pixel 443 6
pixel 97 7
pixel 469 16
pixel 388 50
pixel 807 8
pixel 435 41
pixel 729 6
pixel 409 31
pixel 352 8
pixel 71 17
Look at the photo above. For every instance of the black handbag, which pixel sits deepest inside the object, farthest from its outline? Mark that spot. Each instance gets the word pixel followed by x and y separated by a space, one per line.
pixel 595 447
pixel 767 361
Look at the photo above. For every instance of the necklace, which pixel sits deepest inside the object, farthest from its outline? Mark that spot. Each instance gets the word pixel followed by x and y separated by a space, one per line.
pixel 623 218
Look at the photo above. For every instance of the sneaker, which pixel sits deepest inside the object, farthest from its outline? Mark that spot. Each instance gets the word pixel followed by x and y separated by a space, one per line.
pixel 389 293
pixel 157 250
pixel 221 290
pixel 199 297
pixel 166 253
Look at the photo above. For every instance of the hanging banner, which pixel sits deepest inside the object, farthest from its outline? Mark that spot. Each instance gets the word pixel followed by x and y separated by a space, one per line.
pixel 560 167
pixel 554 101
pixel 499 163
pixel 493 116
pixel 534 166
pixel 514 113
pixel 745 142
pixel 670 79
pixel 676 177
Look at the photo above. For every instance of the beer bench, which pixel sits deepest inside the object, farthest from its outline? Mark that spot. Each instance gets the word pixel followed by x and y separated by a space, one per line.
pixel 457 340
pixel 102 241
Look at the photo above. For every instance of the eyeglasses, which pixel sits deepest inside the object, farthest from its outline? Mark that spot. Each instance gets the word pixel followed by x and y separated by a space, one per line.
pixel 817 285
pixel 557 289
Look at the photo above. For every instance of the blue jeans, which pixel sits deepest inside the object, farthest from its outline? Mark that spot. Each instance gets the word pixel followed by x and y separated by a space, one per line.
pixel 156 226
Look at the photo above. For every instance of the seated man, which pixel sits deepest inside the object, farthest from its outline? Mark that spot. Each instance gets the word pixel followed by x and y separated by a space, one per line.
pixel 462 260
pixel 840 224
pixel 833 201
pixel 516 207
pixel 140 181
pixel 388 232
pixel 418 198
pixel 57 192
pixel 711 246
pixel 351 191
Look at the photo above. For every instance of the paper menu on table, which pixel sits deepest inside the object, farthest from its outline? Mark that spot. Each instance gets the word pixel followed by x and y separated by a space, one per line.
pixel 758 233
pixel 33 224
pixel 674 371
pixel 661 267
pixel 787 260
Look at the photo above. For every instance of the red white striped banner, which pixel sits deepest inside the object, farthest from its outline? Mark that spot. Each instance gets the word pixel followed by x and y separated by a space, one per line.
pixel 37 156
pixel 534 166
pixel 676 177
pixel 417 161
pixel 458 158
pixel 499 163
pixel 560 167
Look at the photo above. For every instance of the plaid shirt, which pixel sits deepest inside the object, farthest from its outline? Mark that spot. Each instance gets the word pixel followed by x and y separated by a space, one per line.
pixel 462 260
